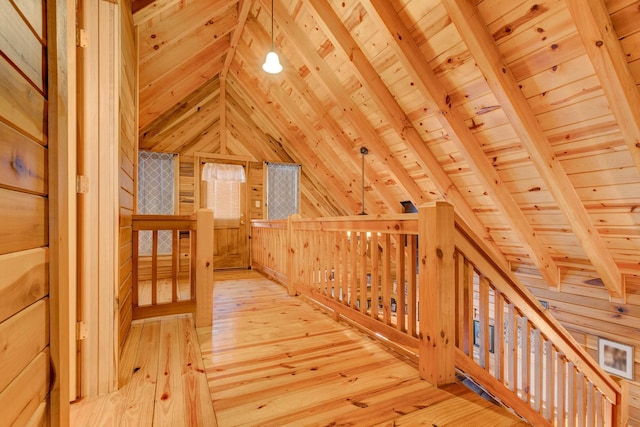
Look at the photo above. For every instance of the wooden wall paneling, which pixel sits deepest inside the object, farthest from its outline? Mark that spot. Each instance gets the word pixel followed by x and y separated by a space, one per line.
pixel 21 104
pixel 24 336
pixel 23 280
pixel 186 196
pixel 21 45
pixel 32 13
pixel 22 398
pixel 256 187
pixel 23 162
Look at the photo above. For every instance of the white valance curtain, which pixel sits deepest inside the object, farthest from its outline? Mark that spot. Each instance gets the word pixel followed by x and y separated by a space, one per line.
pixel 223 192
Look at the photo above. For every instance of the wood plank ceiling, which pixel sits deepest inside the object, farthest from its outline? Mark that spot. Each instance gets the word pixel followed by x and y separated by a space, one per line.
pixel 524 115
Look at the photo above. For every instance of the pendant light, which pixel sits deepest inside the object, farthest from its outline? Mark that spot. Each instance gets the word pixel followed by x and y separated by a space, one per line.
pixel 272 63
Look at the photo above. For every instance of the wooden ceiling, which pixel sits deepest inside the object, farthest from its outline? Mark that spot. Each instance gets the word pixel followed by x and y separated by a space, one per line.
pixel 524 115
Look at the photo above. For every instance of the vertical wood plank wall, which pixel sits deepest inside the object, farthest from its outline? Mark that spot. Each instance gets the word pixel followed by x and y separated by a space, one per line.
pixel 128 156
pixel 24 285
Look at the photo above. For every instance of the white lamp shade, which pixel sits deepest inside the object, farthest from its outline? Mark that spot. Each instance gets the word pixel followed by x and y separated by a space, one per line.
pixel 272 63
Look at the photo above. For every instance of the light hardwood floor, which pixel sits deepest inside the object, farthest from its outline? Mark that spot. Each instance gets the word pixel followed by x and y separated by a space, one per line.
pixel 273 360
pixel 163 379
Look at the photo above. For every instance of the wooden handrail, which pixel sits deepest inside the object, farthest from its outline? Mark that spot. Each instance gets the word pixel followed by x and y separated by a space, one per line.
pixel 197 232
pixel 349 263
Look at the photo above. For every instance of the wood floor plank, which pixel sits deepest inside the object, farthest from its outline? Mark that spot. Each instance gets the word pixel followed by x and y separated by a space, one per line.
pixel 274 360
pixel 139 409
pixel 169 408
pixel 197 401
pixel 128 356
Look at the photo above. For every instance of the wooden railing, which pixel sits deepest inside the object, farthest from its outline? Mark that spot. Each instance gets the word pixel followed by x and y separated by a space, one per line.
pixel 442 300
pixel 180 281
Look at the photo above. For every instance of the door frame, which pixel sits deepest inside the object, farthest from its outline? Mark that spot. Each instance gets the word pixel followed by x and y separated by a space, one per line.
pixel 202 158
pixel 62 138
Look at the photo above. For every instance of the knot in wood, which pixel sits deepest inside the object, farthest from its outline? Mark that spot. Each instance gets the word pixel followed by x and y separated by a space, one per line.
pixel 599 43
pixel 439 253
pixel 18 165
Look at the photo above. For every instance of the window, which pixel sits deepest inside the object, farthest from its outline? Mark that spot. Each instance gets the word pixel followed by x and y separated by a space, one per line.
pixel 223 192
pixel 282 190
pixel 156 195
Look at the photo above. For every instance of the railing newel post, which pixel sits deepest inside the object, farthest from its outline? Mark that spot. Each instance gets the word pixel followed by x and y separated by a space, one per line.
pixel 204 268
pixel 291 253
pixel 436 293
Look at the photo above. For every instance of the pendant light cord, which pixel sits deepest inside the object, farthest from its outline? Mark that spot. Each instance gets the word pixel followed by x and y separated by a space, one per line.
pixel 272 26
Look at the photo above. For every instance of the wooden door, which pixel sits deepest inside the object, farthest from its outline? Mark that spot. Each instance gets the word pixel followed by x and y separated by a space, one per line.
pixel 230 237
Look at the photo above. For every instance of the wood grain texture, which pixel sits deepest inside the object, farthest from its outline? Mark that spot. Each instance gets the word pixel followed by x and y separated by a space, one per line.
pixel 23 396
pixel 23 280
pixel 23 162
pixel 24 336
pixel 162 380
pixel 294 365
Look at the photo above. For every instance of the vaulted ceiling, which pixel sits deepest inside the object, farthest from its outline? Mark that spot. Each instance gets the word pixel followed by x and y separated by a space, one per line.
pixel 524 115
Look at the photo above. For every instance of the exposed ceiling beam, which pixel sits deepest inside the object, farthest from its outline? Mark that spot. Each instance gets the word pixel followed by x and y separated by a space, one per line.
pixel 350 111
pixel 317 150
pixel 474 32
pixel 339 148
pixel 282 126
pixel 243 12
pixel 393 112
pixel 265 147
pixel 609 61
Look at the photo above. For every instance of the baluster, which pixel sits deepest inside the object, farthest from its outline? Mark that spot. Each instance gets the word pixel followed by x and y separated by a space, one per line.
pixel 549 384
pixel 174 265
pixel 511 343
pixel 590 405
pixel 354 270
pixel 580 400
pixel 536 350
pixel 561 374
pixel 498 336
pixel 524 360
pixel 333 267
pixel 599 408
pixel 344 267
pixel 375 275
pixel 386 279
pixel 400 285
pixel 193 237
pixel 154 267
pixel 135 265
pixel 571 393
pixel 412 294
pixel 363 272
pixel 483 319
